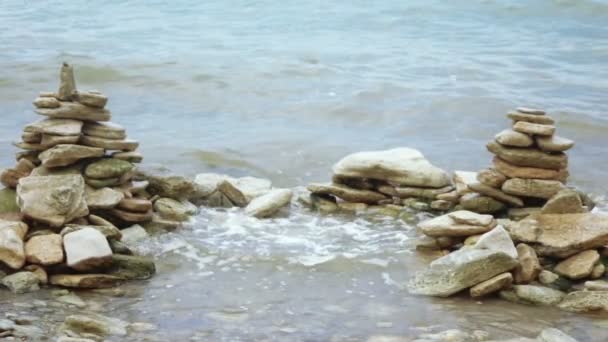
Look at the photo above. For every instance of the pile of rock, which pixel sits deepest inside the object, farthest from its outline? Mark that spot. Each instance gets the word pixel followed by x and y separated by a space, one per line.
pixel 558 259
pixel 530 167
pixel 400 176
pixel 74 189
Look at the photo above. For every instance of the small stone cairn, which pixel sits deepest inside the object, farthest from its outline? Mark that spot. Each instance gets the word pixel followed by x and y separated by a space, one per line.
pixel 75 187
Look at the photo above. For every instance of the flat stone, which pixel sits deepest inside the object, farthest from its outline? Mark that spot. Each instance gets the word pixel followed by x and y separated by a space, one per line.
pixel 323 204
pixel 132 267
pixel 462 179
pixel 103 183
pixel 104 198
pixel 585 301
pixel 554 143
pixel 44 249
pixel 471 218
pixel 63 127
pixel 67 84
pixel 497 239
pixel 528 110
pixel 132 156
pixel 481 204
pixel 519 117
pixel 566 201
pixel 491 285
pixel 170 209
pixel 451 196
pixel 172 186
pixel 547 277
pixel 442 205
pixel 562 235
pixel 11 246
pixel 108 230
pixel 539 295
pixel 46 102
pixel 31 138
pixel 401 166
pixel 87 249
pixel 132 217
pixel 554 335
pixel 109 144
pixel 29 146
pixel 233 193
pixel 74 110
pixel 537 188
pixel 270 203
pixel 578 266
pixel 74 169
pixel 137 205
pixel 517 214
pixel 67 154
pixel 106 130
pixel 85 281
pixel 108 168
pixel 526 172
pixel 529 267
pixel 346 193
pixel 510 137
pixel 49 141
pixel 29 155
pixel 429 193
pixel 496 194
pixel 528 157
pixel 91 99
pixel 491 178
pixel 357 183
pixel 21 282
pixel 253 187
pixel 10 177
pixel 134 234
pixel 533 128
pixel 99 221
pixel 54 200
pixel 596 285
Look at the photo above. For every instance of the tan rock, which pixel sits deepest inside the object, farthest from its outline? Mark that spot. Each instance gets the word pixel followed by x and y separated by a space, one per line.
pixel 462 179
pixel 469 217
pixel 492 285
pixel 481 204
pixel 598 271
pixel 578 266
pixel 48 140
pixel 533 128
pixel 496 194
pixel 537 188
pixel 451 196
pixel 46 102
pixel 445 225
pixel 132 156
pixel 554 143
pixel 566 201
pixel 66 154
pixel 528 157
pixel 234 194
pixel 29 146
pixel 529 267
pixel 75 110
pixel 529 110
pixel 38 271
pixel 85 281
pixel 99 221
pixel 517 214
pixel 596 285
pixel 137 205
pixel 173 210
pixel 10 177
pixel 91 99
pixel 510 137
pixel 11 248
pixel 104 198
pixel 346 193
pixel 109 144
pixel 67 127
pixel 44 249
pixel 108 230
pixel 131 216
pixel 442 205
pixel 67 83
pixel 106 130
pixel 514 171
pixel 544 120
pixel 491 177
pixel 429 193
pixel 31 137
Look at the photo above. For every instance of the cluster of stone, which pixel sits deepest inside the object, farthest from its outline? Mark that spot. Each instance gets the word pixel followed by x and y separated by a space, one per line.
pixel 544 259
pixel 530 166
pixel 74 188
pixel 396 177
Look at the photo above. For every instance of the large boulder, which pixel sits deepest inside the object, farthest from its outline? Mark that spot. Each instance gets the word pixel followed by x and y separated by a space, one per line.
pixel 268 204
pixel 562 235
pixel 401 166
pixel 87 249
pixel 54 200
pixel 492 255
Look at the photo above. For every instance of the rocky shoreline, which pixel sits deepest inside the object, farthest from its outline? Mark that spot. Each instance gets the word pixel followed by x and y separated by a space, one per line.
pixel 76 204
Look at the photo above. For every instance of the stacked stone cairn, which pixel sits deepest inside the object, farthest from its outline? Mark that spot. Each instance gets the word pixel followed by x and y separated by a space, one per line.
pixel 397 177
pixel 74 190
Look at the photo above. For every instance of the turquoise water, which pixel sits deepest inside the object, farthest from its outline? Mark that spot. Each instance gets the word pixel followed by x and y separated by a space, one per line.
pixel 283 90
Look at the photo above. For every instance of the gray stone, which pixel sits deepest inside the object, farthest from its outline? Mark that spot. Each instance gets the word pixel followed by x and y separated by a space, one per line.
pixel 21 282
pixel 132 267
pixel 462 179
pixel 67 154
pixel 87 249
pixel 11 246
pixel 346 193
pixel 109 231
pixel 510 137
pixel 539 295
pixel 131 156
pixel 134 234
pixel 445 225
pixel 497 239
pixel 172 186
pixel 481 204
pixel 537 188
pixel 8 201
pixel 533 128
pixel 104 198
pixel 518 117
pixel 270 203
pixel 429 193
pixel 529 157
pixel 173 210
pixel 496 194
pixel 108 168
pixel 554 335
pixel 529 110
pixel 106 130
pixel 596 285
pixel 67 84
pixel 554 143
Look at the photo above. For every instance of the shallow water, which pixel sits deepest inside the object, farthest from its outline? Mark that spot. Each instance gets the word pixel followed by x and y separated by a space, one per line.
pixel 283 90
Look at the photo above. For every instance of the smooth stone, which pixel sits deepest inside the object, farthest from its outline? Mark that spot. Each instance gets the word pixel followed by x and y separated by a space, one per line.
pixel 233 193
pixel 578 266
pixel 63 127
pixel 54 200
pixel 67 154
pixel 8 201
pixel 481 204
pixel 512 138
pixel 445 225
pixel 517 214
pixel 67 84
pixel 159 223
pixel 206 183
pixel 528 157
pixel 401 166
pixel 109 144
pixel 514 171
pixel 77 111
pixel 519 117
pixel 429 193
pixel 346 193
pixel 598 271
pixel 270 203
pixel 173 210
pixel 108 230
pixel 131 157
pixel 539 295
pixel 533 128
pixel 103 183
pixel 562 235
pixel 49 141
pixel 134 234
pixel 172 186
pixel 566 201
pixel 104 198
pixel 44 249
pixel 21 282
pixel 554 143
pixel 529 266
pixel 585 301
pixel 441 205
pixel 108 168
pixel 596 285
pixel 491 177
pixel 462 179
pixel 87 249
pixel 46 102
pixel 496 194
pixel 528 110
pixel 85 281
pixel 492 285
pixel 91 99
pixel 131 217
pixel 106 130
pixel 12 252
pixel 132 267
pixel 137 205
pixel 32 156
pixel 537 188
pixel 472 218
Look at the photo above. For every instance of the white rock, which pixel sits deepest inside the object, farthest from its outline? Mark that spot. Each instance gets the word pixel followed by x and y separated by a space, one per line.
pixel 86 249
pixel 268 204
pixel 497 239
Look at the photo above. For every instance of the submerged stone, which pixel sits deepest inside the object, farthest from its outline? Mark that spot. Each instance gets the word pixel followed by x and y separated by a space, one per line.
pixel 270 203
pixel 21 282
pixel 85 281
